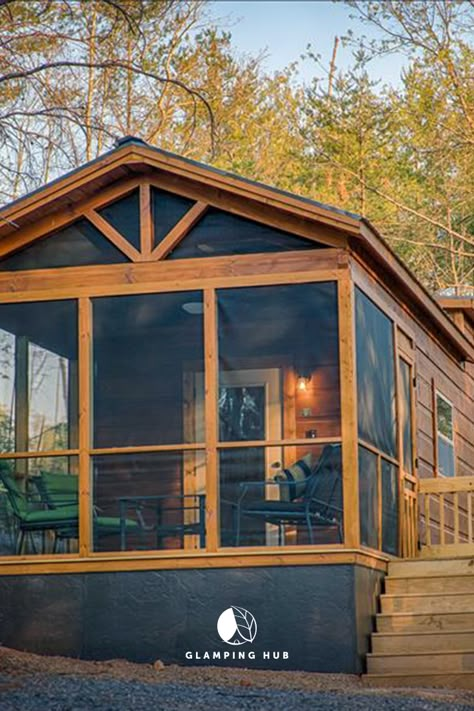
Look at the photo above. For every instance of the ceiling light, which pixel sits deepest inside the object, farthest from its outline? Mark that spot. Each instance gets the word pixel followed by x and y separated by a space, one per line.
pixel 193 307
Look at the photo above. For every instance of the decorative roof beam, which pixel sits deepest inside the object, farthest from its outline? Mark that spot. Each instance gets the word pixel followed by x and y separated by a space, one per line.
pixel 180 230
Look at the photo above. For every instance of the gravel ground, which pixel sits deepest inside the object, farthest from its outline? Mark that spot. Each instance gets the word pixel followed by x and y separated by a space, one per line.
pixel 30 682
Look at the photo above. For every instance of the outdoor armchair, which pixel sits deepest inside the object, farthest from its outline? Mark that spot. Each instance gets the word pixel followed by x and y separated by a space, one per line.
pixel 29 512
pixel 59 490
pixel 313 501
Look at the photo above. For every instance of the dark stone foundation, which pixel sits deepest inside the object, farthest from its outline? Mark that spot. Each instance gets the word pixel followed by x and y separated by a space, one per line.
pixel 321 615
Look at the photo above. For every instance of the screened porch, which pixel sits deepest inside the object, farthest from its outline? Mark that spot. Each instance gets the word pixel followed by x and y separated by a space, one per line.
pixel 201 420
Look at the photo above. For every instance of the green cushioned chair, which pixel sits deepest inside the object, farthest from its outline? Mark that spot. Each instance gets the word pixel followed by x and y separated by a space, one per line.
pixel 30 514
pixel 60 490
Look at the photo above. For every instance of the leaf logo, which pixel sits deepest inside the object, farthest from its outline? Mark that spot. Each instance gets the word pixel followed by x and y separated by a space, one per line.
pixel 237 626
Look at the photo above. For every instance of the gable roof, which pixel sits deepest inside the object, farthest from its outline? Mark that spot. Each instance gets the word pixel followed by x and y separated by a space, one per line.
pixel 133 157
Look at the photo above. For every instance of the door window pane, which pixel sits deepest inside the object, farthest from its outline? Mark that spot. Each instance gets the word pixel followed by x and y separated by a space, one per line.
pixel 38 388
pixel 278 362
pixel 389 508
pixel 148 369
pixel 405 415
pixel 124 215
pixel 220 234
pixel 151 501
pixel 375 376
pixel 281 495
pixel 78 245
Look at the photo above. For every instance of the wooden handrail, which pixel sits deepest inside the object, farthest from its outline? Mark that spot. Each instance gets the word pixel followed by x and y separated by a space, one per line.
pixel 441 496
pixel 446 485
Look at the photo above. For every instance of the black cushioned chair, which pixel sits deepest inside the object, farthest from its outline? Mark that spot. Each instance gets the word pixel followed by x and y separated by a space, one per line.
pixel 312 501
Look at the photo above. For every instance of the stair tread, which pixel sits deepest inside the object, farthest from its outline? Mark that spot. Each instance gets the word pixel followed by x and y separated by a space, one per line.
pixel 436 575
pixel 429 653
pixel 423 614
pixel 429 594
pixel 417 673
pixel 419 633
pixel 408 561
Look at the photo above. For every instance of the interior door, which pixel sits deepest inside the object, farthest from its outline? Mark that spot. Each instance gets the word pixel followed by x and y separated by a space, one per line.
pixel 249 411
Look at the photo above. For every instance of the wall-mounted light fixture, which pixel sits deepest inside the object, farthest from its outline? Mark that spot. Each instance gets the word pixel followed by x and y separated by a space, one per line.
pixel 302 382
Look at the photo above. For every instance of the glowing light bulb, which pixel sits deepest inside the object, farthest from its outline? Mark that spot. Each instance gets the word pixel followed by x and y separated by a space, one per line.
pixel 302 383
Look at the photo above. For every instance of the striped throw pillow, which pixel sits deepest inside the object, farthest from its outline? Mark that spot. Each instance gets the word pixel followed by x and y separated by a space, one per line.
pixel 293 479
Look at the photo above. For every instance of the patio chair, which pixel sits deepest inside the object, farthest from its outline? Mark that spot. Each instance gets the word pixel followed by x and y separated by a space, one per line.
pixel 59 490
pixel 312 501
pixel 31 516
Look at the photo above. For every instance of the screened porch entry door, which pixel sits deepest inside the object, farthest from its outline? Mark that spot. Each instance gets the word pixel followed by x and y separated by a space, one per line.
pixel 407 429
pixel 250 410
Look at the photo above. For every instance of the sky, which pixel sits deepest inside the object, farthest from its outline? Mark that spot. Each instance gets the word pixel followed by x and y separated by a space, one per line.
pixel 285 27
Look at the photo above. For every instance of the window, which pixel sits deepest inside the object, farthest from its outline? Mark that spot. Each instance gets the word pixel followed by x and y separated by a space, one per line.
pixel 78 245
pixel 220 233
pixel 148 390
pixel 375 376
pixel 149 501
pixel 124 215
pixel 445 436
pixel 368 498
pixel 38 391
pixel 38 417
pixel 167 210
pixel 148 350
pixel 39 512
pixel 377 427
pixel 279 380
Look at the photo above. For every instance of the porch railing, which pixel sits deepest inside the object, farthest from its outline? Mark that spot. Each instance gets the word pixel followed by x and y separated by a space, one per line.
pixel 446 516
pixel 409 521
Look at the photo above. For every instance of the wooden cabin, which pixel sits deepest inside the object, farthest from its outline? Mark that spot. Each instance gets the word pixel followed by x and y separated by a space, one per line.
pixel 214 393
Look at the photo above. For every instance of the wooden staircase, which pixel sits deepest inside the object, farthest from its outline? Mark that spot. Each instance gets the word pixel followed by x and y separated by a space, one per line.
pixel 425 628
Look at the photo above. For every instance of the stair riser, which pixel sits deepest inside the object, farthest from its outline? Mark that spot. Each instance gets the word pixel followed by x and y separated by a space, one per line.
pixel 428 603
pixel 423 568
pixel 455 681
pixel 412 643
pixel 422 663
pixel 394 586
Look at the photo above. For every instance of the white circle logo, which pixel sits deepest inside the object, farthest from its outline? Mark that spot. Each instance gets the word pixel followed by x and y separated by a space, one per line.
pixel 237 626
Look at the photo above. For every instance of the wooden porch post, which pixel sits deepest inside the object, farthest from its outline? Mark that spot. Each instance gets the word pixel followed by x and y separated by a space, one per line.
pixel 211 416
pixel 350 465
pixel 85 426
